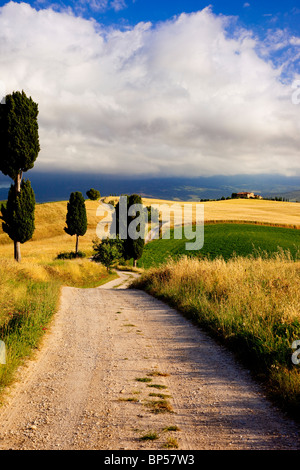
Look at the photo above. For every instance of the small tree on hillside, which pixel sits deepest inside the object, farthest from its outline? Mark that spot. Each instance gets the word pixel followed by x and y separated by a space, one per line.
pixel 18 214
pixel 19 142
pixel 93 194
pixel 108 252
pixel 76 217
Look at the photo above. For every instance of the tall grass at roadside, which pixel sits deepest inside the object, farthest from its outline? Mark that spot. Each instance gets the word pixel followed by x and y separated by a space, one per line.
pixel 29 297
pixel 250 304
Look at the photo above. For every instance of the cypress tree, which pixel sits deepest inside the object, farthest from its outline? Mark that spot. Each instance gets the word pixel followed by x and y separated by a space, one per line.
pixel 133 248
pixel 19 141
pixel 18 214
pixel 76 219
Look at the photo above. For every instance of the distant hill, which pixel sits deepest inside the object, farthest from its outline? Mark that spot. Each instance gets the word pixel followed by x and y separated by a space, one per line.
pixel 292 196
pixel 50 187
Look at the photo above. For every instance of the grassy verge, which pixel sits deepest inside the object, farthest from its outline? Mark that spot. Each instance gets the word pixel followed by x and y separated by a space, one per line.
pixel 250 304
pixel 30 294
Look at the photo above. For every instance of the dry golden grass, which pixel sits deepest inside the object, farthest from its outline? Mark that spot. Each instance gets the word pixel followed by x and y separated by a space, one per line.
pixel 49 237
pixel 261 211
pixel 255 288
pixel 15 277
pixel 253 305
pixel 246 210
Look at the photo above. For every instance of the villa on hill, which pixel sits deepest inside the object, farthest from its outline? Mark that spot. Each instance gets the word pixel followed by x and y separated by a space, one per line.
pixel 246 195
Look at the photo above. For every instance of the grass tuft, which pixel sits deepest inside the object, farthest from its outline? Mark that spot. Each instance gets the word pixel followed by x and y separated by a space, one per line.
pixel 158 386
pixel 160 406
pixel 171 443
pixel 150 436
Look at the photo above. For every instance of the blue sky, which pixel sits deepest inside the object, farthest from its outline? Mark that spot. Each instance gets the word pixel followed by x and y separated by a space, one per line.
pixel 258 14
pixel 158 87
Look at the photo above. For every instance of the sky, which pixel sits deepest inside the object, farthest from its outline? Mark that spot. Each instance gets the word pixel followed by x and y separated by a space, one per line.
pixel 158 88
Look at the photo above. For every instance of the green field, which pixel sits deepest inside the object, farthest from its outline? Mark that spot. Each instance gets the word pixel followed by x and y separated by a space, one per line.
pixel 225 240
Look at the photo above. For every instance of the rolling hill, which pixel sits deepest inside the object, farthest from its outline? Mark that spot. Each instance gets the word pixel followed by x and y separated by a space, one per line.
pixel 49 238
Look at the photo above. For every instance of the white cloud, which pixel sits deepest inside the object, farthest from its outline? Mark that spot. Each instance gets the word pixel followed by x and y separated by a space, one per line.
pixel 178 98
pixel 295 41
pixel 99 5
pixel 118 5
pixel 96 5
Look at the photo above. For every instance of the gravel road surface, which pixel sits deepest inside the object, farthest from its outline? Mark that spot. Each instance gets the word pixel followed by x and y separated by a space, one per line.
pixel 107 351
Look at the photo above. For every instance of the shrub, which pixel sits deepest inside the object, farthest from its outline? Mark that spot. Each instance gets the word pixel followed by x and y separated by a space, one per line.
pixel 70 255
pixel 108 252
pixel 93 194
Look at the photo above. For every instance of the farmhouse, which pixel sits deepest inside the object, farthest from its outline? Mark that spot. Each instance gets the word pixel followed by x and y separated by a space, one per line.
pixel 246 195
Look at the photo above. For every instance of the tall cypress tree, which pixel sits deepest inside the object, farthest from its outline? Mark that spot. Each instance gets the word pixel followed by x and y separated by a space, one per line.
pixel 18 214
pixel 133 248
pixel 19 141
pixel 76 217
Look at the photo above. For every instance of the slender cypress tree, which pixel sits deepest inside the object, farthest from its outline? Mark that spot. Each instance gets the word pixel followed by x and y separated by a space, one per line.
pixel 76 217
pixel 133 248
pixel 19 141
pixel 18 214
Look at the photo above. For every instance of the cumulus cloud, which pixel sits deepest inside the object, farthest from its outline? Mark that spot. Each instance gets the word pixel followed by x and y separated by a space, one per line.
pixel 178 98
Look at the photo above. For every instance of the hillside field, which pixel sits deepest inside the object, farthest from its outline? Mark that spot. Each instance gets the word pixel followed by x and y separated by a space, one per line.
pixel 49 238
pixel 246 210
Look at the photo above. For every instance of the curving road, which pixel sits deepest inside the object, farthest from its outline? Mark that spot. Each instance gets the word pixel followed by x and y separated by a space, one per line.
pixel 81 389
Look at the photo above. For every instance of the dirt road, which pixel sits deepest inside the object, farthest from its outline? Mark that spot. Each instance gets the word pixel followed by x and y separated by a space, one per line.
pixel 81 389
